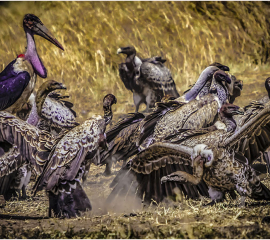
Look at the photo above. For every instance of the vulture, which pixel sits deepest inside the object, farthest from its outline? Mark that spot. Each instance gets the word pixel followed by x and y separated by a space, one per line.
pixel 49 111
pixel 61 176
pixel 18 79
pixel 217 156
pixel 148 79
pixel 41 107
pixel 126 134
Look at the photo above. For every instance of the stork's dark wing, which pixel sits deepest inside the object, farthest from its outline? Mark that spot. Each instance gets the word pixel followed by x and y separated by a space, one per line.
pixel 253 137
pixel 65 159
pixel 12 86
pixel 33 145
pixel 142 174
pixel 159 78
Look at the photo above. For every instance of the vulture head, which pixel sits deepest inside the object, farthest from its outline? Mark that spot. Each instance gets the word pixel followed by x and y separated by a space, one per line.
pixel 108 101
pixel 220 66
pixel 130 50
pixel 267 86
pixel 50 86
pixel 229 110
pixel 235 88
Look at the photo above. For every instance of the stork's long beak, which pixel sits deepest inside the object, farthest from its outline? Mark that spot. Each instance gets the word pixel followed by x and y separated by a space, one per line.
pixel 119 50
pixel 42 31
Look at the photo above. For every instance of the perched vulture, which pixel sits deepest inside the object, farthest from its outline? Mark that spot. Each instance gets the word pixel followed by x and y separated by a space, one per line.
pixel 148 79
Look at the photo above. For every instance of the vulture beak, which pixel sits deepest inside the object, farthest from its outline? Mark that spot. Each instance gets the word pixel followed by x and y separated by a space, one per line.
pixel 42 31
pixel 119 50
pixel 62 86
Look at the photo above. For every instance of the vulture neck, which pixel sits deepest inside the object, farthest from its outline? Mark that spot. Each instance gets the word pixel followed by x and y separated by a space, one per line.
pixel 228 121
pixel 205 76
pixel 40 99
pixel 33 117
pixel 130 63
pixel 108 114
pixel 32 56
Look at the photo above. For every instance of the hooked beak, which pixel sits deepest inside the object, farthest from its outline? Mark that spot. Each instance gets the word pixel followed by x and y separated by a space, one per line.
pixel 119 50
pixel 42 31
pixel 240 85
pixel 62 86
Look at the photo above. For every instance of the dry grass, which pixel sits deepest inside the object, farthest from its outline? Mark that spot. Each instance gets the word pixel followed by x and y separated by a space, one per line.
pixel 190 35
pixel 187 219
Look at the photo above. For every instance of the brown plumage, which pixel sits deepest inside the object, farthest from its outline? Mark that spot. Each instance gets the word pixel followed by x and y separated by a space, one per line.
pixel 148 79
pixel 222 172
pixel 166 156
pixel 63 171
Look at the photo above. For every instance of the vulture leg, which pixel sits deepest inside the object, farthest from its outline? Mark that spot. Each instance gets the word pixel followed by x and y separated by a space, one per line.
pixel 108 170
pixel 138 100
pixel 215 195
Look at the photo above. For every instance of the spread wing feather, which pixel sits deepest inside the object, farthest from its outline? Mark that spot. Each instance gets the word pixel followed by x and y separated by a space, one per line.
pixel 67 156
pixel 145 170
pixel 32 144
pixel 253 137
pixel 120 125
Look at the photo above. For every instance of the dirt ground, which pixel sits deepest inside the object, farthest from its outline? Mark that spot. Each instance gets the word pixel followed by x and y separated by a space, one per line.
pixel 188 219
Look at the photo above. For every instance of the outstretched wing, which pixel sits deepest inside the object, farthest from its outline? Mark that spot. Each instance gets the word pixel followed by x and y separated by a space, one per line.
pixel 142 174
pixel 33 145
pixel 148 124
pixel 67 156
pixel 131 119
pixel 253 137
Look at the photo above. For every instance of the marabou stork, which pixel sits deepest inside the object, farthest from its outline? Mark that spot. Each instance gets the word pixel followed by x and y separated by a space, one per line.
pixel 18 79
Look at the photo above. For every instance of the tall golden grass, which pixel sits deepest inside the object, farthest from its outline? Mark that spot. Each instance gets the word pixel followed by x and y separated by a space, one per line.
pixel 190 35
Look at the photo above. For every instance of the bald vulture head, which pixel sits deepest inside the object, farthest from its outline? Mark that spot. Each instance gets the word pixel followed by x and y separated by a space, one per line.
pixel 267 86
pixel 220 66
pixel 108 101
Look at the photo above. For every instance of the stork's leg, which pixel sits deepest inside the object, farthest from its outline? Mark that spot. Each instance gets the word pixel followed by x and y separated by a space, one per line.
pixel 138 100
